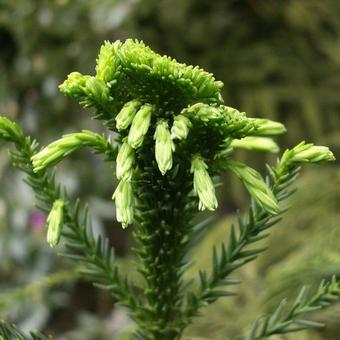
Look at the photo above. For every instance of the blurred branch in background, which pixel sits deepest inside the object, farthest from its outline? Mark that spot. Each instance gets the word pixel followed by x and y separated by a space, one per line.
pixel 36 290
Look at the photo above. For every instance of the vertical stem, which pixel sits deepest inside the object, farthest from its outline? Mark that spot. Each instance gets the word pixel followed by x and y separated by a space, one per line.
pixel 163 222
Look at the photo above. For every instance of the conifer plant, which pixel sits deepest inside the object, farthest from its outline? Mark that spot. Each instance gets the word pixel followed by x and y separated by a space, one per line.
pixel 173 139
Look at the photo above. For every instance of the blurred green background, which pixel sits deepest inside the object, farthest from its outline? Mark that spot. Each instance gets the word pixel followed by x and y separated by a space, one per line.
pixel 277 58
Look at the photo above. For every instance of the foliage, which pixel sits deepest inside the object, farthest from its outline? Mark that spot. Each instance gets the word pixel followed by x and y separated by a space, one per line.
pixel 288 263
pixel 277 59
pixel 140 95
pixel 292 322
pixel 40 44
pixel 36 288
pixel 265 52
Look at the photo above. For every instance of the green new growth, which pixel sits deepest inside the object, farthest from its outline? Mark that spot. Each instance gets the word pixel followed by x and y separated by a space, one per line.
pixel 174 138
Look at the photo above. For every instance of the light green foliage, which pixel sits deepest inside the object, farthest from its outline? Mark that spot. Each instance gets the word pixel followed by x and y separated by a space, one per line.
pixel 203 185
pixel 255 144
pixel 68 144
pixel 180 127
pixel 125 117
pixel 55 222
pixel 284 63
pixel 163 147
pixel 124 161
pixel 308 153
pixel 164 181
pixel 267 127
pixel 106 63
pixel 216 120
pixel 123 196
pixel 96 91
pixel 139 127
pixel 75 85
pixel 257 188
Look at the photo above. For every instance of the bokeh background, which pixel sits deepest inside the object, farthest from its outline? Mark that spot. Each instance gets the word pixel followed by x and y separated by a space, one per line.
pixel 277 58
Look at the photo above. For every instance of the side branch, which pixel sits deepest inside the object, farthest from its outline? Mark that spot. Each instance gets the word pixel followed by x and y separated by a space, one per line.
pixel 70 143
pixel 235 254
pixel 95 253
pixel 276 323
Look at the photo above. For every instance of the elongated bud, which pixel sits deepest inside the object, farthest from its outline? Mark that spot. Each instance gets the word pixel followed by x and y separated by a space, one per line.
pixel 124 200
pixel 126 114
pixel 125 160
pixel 140 126
pixel 74 86
pixel 97 90
pixel 55 222
pixel 256 143
pixel 54 153
pixel 266 127
pixel 180 127
pixel 308 153
pixel 256 186
pixel 203 185
pixel 64 146
pixel 106 62
pixel 163 147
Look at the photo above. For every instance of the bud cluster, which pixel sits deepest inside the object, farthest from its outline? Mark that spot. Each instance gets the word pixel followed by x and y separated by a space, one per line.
pixel 154 98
